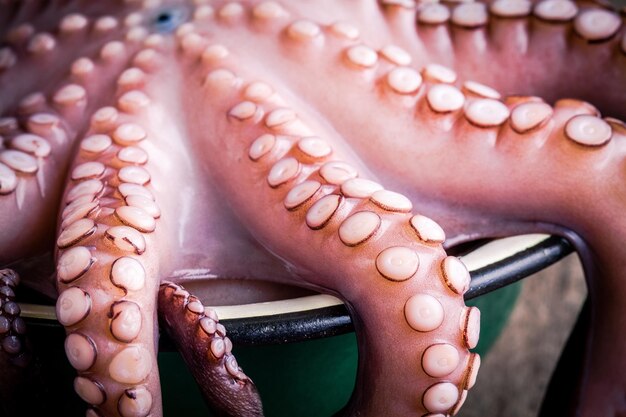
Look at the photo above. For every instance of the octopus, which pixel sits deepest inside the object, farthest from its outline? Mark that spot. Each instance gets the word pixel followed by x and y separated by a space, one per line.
pixel 345 147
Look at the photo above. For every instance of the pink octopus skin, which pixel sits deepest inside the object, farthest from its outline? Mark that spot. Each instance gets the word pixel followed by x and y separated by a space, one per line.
pixel 310 143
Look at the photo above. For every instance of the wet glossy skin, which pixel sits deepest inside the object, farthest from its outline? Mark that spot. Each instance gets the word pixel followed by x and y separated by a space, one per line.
pixel 308 144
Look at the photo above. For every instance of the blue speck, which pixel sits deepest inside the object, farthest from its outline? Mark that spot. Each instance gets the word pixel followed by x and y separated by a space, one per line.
pixel 167 20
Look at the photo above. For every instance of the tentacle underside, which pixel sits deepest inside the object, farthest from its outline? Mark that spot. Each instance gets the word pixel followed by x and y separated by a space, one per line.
pixel 40 121
pixel 334 178
pixel 468 148
pixel 208 352
pixel 380 237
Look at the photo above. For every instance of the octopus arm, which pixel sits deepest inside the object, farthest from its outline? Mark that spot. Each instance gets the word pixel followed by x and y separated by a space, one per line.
pixel 207 351
pixel 289 180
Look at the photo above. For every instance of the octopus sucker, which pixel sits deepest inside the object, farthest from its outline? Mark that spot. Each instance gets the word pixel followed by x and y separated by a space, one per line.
pixel 338 147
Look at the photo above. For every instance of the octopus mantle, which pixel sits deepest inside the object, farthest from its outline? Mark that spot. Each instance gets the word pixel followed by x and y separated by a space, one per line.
pixel 313 144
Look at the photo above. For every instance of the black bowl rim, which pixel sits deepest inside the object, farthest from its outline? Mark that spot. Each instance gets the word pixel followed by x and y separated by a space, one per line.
pixel 492 266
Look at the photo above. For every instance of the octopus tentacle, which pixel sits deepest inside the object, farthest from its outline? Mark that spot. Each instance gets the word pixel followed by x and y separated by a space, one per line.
pixel 88 312
pixel 12 326
pixel 600 384
pixel 207 351
pixel 115 228
pixel 297 140
pixel 275 159
pixel 490 131
pixel 592 145
pixel 302 175
pixel 39 127
pixel 22 389
pixel 32 163
pixel 107 294
pixel 480 120
pixel 553 41
pixel 530 139
pixel 108 265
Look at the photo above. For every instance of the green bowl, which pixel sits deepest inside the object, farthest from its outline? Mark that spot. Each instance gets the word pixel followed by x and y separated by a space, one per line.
pixel 312 378
pixel 301 352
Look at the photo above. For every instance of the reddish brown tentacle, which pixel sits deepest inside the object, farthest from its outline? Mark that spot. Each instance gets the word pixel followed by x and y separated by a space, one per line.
pixel 206 349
